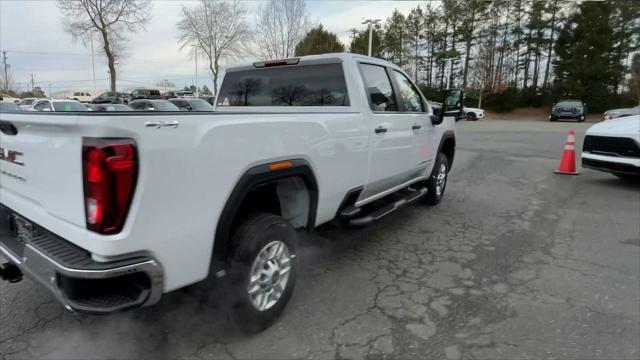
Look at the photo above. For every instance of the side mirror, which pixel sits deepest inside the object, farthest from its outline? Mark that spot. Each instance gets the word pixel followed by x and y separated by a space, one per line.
pixel 452 105
pixel 377 97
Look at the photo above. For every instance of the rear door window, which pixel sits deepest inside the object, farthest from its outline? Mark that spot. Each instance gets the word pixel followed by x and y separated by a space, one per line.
pixel 378 88
pixel 303 85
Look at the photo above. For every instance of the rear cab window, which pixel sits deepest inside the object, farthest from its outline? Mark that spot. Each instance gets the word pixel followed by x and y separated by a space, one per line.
pixel 301 85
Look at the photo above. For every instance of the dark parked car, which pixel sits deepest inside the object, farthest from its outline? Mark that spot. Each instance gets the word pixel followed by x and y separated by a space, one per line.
pixel 191 104
pixel 208 98
pixel 569 109
pixel 145 94
pixel 169 95
pixel 152 105
pixel 110 97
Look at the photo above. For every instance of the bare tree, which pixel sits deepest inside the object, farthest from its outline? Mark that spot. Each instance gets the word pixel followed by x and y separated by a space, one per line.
pixel 217 30
pixel 281 25
pixel 111 19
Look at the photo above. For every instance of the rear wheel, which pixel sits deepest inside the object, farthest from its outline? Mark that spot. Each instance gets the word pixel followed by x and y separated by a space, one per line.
pixel 437 182
pixel 263 270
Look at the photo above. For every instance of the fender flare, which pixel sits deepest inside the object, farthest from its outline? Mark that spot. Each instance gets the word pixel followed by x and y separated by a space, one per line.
pixel 253 177
pixel 448 134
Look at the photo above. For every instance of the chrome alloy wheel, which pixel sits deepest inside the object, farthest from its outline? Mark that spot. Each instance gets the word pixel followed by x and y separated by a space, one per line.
pixel 269 275
pixel 441 179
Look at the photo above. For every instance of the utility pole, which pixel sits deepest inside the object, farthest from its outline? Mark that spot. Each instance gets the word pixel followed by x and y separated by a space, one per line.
pixel 371 22
pixel 6 78
pixel 49 90
pixel 450 60
pixel 93 63
pixel 32 83
pixel 195 55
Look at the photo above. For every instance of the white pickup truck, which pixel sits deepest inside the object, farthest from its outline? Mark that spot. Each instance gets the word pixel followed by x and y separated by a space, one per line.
pixel 111 210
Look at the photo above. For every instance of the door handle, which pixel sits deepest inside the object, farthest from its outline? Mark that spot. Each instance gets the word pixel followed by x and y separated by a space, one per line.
pixel 380 130
pixel 416 127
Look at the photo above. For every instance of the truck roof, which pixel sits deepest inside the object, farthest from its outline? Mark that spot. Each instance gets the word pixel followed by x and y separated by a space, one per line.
pixel 318 59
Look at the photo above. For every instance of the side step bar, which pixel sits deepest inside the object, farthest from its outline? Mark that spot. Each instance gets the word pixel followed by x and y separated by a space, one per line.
pixel 388 209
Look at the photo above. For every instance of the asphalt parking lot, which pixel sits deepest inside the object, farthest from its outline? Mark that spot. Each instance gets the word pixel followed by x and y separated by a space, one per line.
pixel 515 263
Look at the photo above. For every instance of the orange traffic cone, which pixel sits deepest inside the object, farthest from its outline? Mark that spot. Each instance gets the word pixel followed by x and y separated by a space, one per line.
pixel 567 164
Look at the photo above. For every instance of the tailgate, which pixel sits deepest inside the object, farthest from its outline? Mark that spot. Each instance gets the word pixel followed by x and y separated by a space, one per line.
pixel 41 165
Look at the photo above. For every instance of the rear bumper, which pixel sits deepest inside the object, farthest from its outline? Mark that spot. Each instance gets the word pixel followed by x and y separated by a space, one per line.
pixel 75 279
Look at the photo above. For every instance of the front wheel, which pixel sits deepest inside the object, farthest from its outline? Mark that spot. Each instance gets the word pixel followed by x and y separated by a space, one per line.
pixel 472 117
pixel 263 270
pixel 437 182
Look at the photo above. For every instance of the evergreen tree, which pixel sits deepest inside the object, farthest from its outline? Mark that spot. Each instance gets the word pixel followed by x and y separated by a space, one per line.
pixel 394 38
pixel 319 41
pixel 625 22
pixel 205 90
pixel 584 55
pixel 360 42
pixel 475 10
pixel 634 81
pixel 415 25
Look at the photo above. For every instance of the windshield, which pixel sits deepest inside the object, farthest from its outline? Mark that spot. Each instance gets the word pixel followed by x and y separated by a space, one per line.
pixel 26 102
pixel 68 106
pixel 572 104
pixel 200 105
pixel 164 106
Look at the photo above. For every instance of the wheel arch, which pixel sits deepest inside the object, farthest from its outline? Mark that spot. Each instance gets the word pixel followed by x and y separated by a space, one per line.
pixel 258 176
pixel 448 146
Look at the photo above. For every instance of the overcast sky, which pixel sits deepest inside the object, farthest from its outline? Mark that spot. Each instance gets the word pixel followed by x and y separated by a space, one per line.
pixel 33 35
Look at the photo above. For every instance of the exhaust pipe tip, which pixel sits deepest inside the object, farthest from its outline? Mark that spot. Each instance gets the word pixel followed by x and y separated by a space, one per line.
pixel 10 273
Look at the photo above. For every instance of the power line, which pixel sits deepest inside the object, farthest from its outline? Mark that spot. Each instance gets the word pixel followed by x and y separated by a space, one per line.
pixel 80 54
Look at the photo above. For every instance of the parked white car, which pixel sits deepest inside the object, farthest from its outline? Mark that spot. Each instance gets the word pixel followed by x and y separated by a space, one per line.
pixel 109 211
pixel 81 96
pixel 473 114
pixel 614 146
pixel 617 113
pixel 7 98
pixel 26 104
pixel 53 105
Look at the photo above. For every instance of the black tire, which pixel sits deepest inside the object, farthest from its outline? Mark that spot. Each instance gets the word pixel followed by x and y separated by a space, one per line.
pixel 472 117
pixel 433 197
pixel 254 235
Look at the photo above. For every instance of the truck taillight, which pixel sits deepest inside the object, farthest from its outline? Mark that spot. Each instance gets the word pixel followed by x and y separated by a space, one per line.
pixel 110 170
